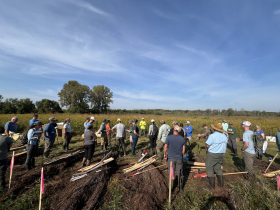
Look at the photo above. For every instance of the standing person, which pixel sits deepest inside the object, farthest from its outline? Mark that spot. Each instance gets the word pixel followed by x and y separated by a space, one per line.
pixel 108 128
pixel 33 135
pixel 216 145
pixel 176 146
pixel 153 132
pixel 130 134
pixel 104 140
pixel 86 122
pixel 258 131
pixel 49 136
pixel 162 135
pixel 174 124
pixel 11 126
pixel 248 149
pixel 278 139
pixel 135 136
pixel 206 134
pixel 188 131
pixel 120 136
pixel 5 144
pixel 225 125
pixel 89 143
pixel 182 126
pixel 143 127
pixel 34 119
pixel 91 120
pixel 232 138
pixel 66 134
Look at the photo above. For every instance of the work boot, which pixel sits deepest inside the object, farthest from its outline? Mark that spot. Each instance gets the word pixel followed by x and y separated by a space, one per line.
pixel 101 148
pixel 260 157
pixel 132 153
pixel 83 162
pixel 155 151
pixel 27 166
pixel 33 163
pixel 211 183
pixel 220 180
pixel 235 152
pixel 88 163
pixel 151 151
pixel 124 153
pixel 180 184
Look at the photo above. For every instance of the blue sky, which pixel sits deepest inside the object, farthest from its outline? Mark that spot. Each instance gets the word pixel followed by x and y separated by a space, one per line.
pixel 153 54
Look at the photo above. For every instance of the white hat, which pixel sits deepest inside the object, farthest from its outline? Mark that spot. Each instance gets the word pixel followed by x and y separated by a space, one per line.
pixel 92 118
pixel 143 118
pixel 246 123
pixel 152 120
pixel 188 122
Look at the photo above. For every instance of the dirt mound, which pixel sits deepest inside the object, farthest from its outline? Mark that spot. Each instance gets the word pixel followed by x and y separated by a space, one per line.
pixel 261 165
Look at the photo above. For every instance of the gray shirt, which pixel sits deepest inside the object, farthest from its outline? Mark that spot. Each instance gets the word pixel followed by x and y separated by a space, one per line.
pixel 207 133
pixel 120 129
pixel 103 130
pixel 5 141
pixel 89 135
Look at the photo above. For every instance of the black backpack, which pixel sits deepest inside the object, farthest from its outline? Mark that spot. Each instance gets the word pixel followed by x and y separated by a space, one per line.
pixel 258 141
pixel 155 130
pixel 24 138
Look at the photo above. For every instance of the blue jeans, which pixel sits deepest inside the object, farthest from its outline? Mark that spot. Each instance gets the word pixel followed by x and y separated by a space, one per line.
pixel 135 139
pixel 260 152
pixel 278 147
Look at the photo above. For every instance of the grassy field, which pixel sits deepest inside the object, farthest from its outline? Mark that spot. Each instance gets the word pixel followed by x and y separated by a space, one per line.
pixel 238 193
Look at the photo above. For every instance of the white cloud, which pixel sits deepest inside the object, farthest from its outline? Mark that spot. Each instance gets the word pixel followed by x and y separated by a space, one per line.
pixel 277 12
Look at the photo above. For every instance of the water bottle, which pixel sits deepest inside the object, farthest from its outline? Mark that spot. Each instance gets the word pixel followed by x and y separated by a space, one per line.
pixel 184 157
pixel 187 157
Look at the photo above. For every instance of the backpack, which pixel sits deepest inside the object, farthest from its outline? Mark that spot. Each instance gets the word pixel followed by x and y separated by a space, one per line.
pixel 155 130
pixel 258 141
pixel 24 138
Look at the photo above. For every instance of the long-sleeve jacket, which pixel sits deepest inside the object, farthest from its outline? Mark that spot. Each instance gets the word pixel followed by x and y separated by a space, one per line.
pixel 142 124
pixel 163 132
pixel 33 135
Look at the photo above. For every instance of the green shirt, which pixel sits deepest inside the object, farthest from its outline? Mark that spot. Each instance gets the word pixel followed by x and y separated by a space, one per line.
pixel 232 129
pixel 5 141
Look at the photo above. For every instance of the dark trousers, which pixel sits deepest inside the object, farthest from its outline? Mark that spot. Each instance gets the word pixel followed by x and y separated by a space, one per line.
pixel 89 151
pixel 214 162
pixel 3 169
pixel 135 139
pixel 249 161
pixel 144 131
pixel 232 143
pixel 31 152
pixel 67 137
pixel 120 143
pixel 177 166
pixel 109 139
pixel 153 141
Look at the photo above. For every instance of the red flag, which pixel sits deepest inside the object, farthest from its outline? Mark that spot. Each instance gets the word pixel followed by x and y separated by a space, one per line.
pixel 172 172
pixel 12 163
pixel 42 182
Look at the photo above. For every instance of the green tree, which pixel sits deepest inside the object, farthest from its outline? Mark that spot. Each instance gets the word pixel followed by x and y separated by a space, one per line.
pixel 100 98
pixel 25 106
pixel 230 112
pixel 74 96
pixel 48 106
pixel 10 106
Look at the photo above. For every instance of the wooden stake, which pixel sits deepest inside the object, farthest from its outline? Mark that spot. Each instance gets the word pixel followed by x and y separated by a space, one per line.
pixel 170 182
pixel 270 163
pixel 11 170
pixel 40 201
pixel 195 163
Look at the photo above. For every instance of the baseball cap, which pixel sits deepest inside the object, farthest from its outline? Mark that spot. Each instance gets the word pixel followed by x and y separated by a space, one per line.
pixel 87 118
pixel 188 122
pixel 224 121
pixel 104 120
pixel 38 123
pixel 108 120
pixel 177 128
pixel 204 125
pixel 230 123
pixel 52 118
pixel 130 121
pixel 92 118
pixel 174 123
pixel 246 123
pixel 152 120
pixel 142 118
pixel 119 119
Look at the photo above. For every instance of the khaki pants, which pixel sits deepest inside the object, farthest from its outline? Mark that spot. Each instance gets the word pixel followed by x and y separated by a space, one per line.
pixel 104 140
pixel 249 161
pixel 48 146
pixel 214 162
pixel 109 138
pixel 159 147
pixel 190 139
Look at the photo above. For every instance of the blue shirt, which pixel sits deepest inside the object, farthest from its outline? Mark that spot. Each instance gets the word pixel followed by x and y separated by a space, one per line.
pixel 50 131
pixel 87 125
pixel 248 137
pixel 33 139
pixel 33 121
pixel 259 132
pixel 217 142
pixel 175 146
pixel 278 138
pixel 188 128
pixel 10 126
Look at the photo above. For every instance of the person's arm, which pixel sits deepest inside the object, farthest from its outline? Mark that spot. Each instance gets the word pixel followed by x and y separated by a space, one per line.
pixel 245 145
pixel 160 133
pixel 207 146
pixel 183 150
pixel 165 150
pixel 45 131
pixel 263 135
pixel 7 132
pixel 150 130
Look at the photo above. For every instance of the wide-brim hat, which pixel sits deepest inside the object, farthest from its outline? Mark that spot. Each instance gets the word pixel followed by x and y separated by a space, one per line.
pixel 218 127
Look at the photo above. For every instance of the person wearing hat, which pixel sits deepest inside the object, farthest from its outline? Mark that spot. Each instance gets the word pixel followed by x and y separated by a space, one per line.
pixel 5 144
pixel 232 138
pixel 174 124
pixel 33 135
pixel 153 132
pixel 206 134
pixel 86 122
pixel 162 135
pixel 248 150
pixel 188 131
pixel 259 131
pixel 120 136
pixel 104 140
pixel 216 145
pixel 130 134
pixel 135 136
pixel 225 125
pixel 176 146
pixel 91 120
pixel 143 127
pixel 108 128
pixel 66 134
pixel 49 136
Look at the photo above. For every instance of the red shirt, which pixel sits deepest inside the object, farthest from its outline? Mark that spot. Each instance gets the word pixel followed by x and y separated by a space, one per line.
pixel 108 128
